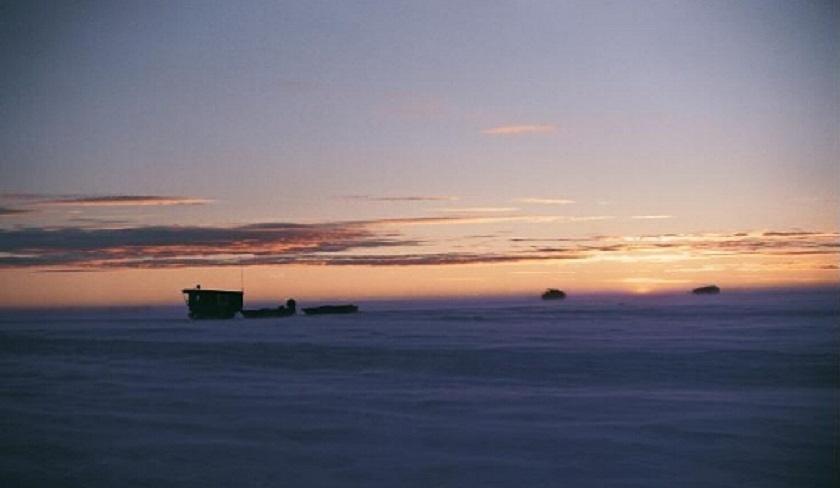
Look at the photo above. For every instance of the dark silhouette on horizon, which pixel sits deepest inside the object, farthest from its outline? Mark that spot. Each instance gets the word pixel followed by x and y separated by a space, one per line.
pixel 224 304
pixel 331 309
pixel 553 294
pixel 281 311
pixel 706 290
pixel 212 304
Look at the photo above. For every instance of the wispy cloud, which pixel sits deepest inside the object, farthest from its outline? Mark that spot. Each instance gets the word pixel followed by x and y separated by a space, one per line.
pixel 331 243
pixel 555 239
pixel 375 243
pixel 651 217
pixel 796 233
pixel 590 218
pixel 510 130
pixel 12 211
pixel 434 259
pixel 31 202
pixel 731 244
pixel 474 219
pixel 173 246
pixel 545 201
pixel 479 209
pixel 99 223
pixel 30 197
pixel 123 201
pixel 408 198
pixel 77 249
pixel 706 268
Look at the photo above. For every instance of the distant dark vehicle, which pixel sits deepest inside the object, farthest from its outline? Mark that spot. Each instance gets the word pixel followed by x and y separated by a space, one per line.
pixel 330 309
pixel 264 313
pixel 553 294
pixel 706 290
pixel 212 304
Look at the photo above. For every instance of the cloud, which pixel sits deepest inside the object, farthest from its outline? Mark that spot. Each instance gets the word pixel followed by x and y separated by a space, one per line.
pixel 371 243
pixel 793 234
pixel 12 211
pixel 590 218
pixel 32 202
pixel 410 198
pixel 29 197
pixel 172 246
pixel 479 209
pixel 99 223
pixel 123 201
pixel 334 244
pixel 331 243
pixel 545 201
pixel 508 130
pixel 470 219
pixel 651 217
pixel 731 244
pixel 706 268
pixel 555 239
pixel 430 259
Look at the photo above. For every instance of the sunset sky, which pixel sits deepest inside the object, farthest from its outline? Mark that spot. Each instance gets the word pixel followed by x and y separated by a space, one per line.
pixel 399 149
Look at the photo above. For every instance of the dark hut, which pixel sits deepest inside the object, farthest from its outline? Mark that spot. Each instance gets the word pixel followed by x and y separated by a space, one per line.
pixel 212 304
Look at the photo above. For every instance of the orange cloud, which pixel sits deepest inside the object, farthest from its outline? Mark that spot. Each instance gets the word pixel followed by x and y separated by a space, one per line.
pixel 545 201
pixel 357 243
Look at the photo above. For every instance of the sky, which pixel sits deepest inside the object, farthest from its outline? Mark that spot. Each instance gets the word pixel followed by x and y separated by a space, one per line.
pixel 399 149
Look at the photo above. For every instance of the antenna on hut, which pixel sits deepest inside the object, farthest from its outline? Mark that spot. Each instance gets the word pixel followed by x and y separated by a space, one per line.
pixel 241 277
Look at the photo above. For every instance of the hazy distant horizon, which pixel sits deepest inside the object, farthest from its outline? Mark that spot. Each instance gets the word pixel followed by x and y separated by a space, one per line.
pixel 574 298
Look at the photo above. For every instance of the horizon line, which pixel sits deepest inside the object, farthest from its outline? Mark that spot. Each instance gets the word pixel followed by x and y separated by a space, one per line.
pixel 670 292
